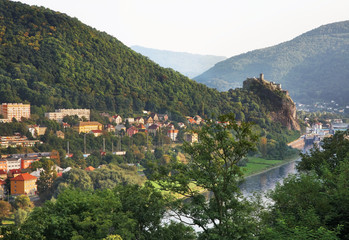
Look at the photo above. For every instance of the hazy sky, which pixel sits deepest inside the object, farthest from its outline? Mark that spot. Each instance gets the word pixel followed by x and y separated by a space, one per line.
pixel 216 27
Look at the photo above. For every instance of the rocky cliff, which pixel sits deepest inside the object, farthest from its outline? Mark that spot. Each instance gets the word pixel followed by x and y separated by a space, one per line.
pixel 280 105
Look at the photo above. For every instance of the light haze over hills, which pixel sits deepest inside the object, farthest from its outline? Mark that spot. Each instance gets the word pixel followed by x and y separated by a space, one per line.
pixel 312 66
pixel 188 64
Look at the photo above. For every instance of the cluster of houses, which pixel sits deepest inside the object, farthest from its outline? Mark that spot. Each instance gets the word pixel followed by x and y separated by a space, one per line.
pixel 316 132
pixel 14 167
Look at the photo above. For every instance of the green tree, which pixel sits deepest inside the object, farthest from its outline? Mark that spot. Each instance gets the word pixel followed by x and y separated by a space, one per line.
pixel 22 202
pixel 47 177
pixel 213 167
pixel 5 209
pixel 20 216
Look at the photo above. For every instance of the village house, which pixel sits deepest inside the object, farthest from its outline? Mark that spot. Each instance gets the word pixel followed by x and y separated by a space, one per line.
pixel 139 120
pixel 155 117
pixel 191 120
pixel 110 128
pixel 23 184
pixel 120 128
pixel 191 137
pixel 130 120
pixel 182 125
pixel 131 131
pixel 3 165
pixel 96 133
pixel 149 120
pixel 36 130
pixel 117 119
pixel 163 117
pixel 172 134
pixel 60 134
pixel 86 127
pixel 13 173
pixel 153 129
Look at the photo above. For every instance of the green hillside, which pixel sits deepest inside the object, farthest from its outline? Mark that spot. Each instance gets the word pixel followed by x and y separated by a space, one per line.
pixel 54 61
pixel 312 66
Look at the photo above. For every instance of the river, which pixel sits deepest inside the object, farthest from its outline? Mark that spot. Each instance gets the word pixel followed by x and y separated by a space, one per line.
pixel 267 180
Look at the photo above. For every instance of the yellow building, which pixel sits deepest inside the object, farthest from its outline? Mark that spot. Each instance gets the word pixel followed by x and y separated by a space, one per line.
pixel 86 127
pixel 23 184
pixel 15 110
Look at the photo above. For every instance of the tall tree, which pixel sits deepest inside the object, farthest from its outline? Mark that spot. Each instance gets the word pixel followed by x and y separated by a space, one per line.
pixel 213 168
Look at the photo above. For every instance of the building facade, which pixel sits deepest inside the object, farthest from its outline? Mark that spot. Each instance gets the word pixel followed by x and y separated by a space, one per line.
pixel 86 127
pixel 59 114
pixel 15 110
pixel 23 184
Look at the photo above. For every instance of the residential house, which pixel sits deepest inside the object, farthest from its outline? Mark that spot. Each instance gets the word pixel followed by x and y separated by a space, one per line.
pixel 86 127
pixel 130 120
pixel 60 134
pixel 182 125
pixel 131 131
pixel 109 128
pixel 198 119
pixel 27 161
pixel 163 117
pixel 120 128
pixel 117 119
pixel 97 133
pixel 155 117
pixel 191 121
pixel 149 120
pixel 23 184
pixel 59 114
pixel 66 125
pixel 191 137
pixel 172 134
pixel 139 120
pixel 154 129
pixel 89 169
pixel 36 130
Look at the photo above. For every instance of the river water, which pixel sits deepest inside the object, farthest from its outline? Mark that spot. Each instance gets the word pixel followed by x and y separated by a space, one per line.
pixel 267 180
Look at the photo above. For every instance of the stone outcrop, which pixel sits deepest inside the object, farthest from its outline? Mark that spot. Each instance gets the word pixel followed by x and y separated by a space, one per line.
pixel 280 106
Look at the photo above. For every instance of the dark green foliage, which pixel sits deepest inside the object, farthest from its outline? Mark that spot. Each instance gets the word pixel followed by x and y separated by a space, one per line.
pixel 213 167
pixel 316 202
pixel 313 66
pixel 132 212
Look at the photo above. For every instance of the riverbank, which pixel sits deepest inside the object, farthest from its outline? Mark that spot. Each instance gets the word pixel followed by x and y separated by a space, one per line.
pixel 259 165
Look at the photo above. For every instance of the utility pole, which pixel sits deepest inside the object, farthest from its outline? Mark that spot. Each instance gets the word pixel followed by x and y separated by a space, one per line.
pixel 68 147
pixel 103 144
pixel 85 143
pixel 112 147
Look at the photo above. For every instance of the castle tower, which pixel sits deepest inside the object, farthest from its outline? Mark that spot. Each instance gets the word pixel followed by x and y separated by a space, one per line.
pixel 261 77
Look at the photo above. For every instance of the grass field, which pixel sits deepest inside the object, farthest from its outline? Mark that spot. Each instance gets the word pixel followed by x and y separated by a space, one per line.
pixel 256 165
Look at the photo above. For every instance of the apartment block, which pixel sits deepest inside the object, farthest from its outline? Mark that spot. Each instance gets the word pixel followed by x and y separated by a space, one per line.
pixel 15 110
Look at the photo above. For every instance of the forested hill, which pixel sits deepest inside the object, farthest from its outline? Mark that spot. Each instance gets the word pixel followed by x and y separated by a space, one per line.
pixel 313 66
pixel 54 61
pixel 189 64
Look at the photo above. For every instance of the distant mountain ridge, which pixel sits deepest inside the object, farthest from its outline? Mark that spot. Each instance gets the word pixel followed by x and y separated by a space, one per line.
pixel 312 66
pixel 190 65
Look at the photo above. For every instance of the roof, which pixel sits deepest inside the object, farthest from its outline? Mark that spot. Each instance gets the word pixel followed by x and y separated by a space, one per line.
pixel 2 182
pixel 89 123
pixel 2 171
pixel 15 171
pixel 90 168
pixel 24 177
pixel 96 131
pixel 154 126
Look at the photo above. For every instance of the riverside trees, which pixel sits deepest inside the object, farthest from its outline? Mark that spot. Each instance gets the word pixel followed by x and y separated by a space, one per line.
pixel 213 167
